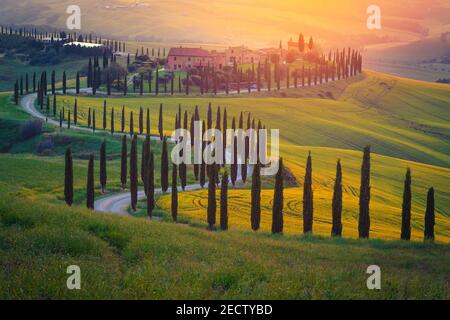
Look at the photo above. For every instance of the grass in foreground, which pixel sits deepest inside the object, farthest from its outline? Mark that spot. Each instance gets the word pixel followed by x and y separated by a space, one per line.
pixel 131 258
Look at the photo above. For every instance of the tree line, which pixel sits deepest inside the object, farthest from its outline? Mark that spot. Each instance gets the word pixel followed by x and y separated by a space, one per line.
pixel 219 178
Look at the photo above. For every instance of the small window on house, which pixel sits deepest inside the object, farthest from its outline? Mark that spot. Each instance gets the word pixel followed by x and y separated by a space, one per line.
pixel 174 58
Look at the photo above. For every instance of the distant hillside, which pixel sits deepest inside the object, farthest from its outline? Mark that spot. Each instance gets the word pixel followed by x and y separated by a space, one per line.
pixel 427 59
pixel 258 23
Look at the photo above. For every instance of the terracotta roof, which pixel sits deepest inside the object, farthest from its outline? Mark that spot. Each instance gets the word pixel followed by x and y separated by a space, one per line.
pixel 191 52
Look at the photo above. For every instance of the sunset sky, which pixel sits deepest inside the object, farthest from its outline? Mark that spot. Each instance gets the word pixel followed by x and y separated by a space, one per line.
pixel 255 23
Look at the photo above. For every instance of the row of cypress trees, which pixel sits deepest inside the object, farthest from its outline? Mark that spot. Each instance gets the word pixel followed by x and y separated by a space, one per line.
pixel 147 177
pixel 336 229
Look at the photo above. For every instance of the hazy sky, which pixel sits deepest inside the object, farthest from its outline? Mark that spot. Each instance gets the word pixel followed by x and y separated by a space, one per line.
pixel 253 22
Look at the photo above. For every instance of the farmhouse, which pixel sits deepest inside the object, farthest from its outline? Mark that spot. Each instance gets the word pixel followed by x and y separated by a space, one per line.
pixel 243 55
pixel 188 58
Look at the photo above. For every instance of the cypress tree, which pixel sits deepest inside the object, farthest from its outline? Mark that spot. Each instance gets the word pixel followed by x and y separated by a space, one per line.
pixel 103 176
pixel 104 114
pixel 53 82
pixel 406 208
pixel 308 198
pixel 277 209
pixel 133 173
pixel 68 119
pixel 64 82
pixel 112 120
pixel 89 75
pixel 77 84
pixel 429 216
pixel 164 166
pixel 123 163
pixel 336 229
pixel 203 164
pixel 131 124
pixel 144 161
pixel 160 122
pixel 90 184
pixel 122 127
pixel 141 120
pixel 174 193
pixel 93 120
pixel 60 118
pixel 256 198
pixel 224 134
pixel 224 202
pixel 364 196
pixel 234 166
pixel 150 185
pixel 75 111
pixel 211 197
pixel 147 125
pixel 68 178
pixel 89 116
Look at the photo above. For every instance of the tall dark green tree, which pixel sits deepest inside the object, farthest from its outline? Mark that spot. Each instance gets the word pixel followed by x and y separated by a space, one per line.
pixel 103 175
pixel 90 184
pixel 203 164
pixel 147 124
pixel 212 205
pixel 93 120
pixel 224 202
pixel 104 114
pixel 406 208
pixel 336 229
pixel 429 216
pixel 68 118
pixel 277 209
pixel 112 120
pixel 75 111
pixel 64 82
pixel 174 193
pixel 255 214
pixel 164 166
pixel 364 196
pixel 53 82
pixel 150 185
pixel 77 83
pixel 68 178
pixel 141 120
pixel 160 122
pixel 122 122
pixel 131 123
pixel 123 162
pixel 308 198
pixel 133 173
pixel 144 162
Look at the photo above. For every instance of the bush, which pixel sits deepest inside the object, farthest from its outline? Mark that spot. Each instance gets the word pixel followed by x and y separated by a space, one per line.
pixel 45 146
pixel 30 129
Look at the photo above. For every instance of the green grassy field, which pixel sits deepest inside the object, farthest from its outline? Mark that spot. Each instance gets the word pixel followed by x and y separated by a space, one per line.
pixel 128 258
pixel 125 257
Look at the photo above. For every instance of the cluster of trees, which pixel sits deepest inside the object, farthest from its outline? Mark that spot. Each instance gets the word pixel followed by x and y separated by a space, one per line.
pixel 214 181
pixel 63 37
